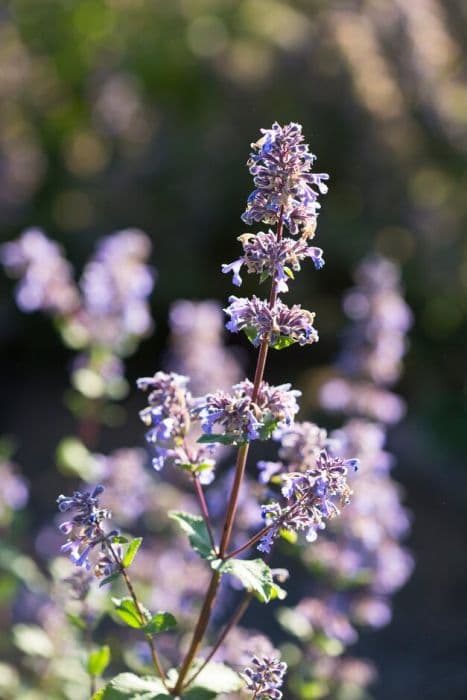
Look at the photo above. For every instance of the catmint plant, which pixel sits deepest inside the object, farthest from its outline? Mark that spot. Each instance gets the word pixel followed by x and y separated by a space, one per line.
pixel 179 596
pixel 286 197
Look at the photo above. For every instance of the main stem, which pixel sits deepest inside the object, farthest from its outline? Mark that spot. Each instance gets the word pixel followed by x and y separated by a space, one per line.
pixel 242 456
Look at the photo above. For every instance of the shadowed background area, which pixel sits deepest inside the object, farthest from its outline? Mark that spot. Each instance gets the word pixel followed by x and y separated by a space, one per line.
pixel 118 113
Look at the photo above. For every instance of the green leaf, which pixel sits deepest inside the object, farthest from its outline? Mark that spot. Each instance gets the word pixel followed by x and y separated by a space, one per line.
pixel 98 661
pixel 218 678
pixel 32 640
pixel 199 694
pixel 269 425
pixel 195 527
pixel 289 272
pixel 76 621
pixel 127 611
pixel 110 578
pixel 223 438
pixel 254 574
pixel 99 695
pixel 251 333
pixel 129 686
pixel 284 342
pixel 119 539
pixel 289 536
pixel 131 551
pixel 160 622
pixel 278 593
pixel 263 277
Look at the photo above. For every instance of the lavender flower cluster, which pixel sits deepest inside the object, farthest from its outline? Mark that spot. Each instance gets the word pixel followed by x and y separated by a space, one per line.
pixel 84 531
pixel 105 315
pixel 311 499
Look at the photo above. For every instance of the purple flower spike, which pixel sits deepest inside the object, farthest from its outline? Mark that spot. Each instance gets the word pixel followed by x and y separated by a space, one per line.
pixel 265 677
pixel 281 167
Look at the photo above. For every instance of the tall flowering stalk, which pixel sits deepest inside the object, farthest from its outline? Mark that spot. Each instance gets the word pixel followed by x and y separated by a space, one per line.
pixel 286 196
pixel 190 432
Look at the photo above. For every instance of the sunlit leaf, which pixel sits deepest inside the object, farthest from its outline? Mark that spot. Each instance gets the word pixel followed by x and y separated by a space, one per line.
pixel 195 527
pixel 131 551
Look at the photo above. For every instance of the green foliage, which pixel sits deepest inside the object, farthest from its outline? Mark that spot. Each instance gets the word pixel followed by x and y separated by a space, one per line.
pixel 254 574
pixel 131 551
pixel 198 535
pixel 98 661
pixel 110 578
pixel 128 685
pixel 222 438
pixel 160 622
pixel 126 610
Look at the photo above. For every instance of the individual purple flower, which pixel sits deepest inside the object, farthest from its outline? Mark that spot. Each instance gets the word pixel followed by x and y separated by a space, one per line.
pixel 244 419
pixel 265 677
pixel 280 325
pixel 267 255
pixel 281 167
pixel 311 498
pixel 84 532
pixel 46 277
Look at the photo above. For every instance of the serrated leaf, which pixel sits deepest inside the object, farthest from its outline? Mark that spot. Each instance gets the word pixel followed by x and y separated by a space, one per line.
pixel 198 535
pixel 223 438
pixel 110 578
pixel 254 574
pixel 98 661
pixel 128 686
pixel 131 551
pixel 284 341
pixel 127 611
pixel 160 622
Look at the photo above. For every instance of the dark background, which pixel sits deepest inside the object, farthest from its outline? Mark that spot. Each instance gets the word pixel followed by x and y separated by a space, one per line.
pixel 140 113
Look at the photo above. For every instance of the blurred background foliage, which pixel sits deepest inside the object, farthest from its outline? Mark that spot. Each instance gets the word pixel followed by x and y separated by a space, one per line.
pixel 118 113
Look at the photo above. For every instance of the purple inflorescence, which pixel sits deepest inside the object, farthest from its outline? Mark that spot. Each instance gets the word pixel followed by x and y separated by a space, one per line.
pixel 266 255
pixel 197 349
pixel 277 324
pixel 46 277
pixel 115 286
pixel 265 677
pixel 84 531
pixel 281 167
pixel 168 417
pixel 245 419
pixel 311 497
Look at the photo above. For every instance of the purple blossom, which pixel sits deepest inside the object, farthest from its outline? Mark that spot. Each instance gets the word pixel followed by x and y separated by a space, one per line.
pixel 84 531
pixel 265 254
pixel 281 167
pixel 168 418
pixel 279 324
pixel 46 277
pixel 14 491
pixel 265 677
pixel 197 349
pixel 116 284
pixel 310 499
pixel 243 419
